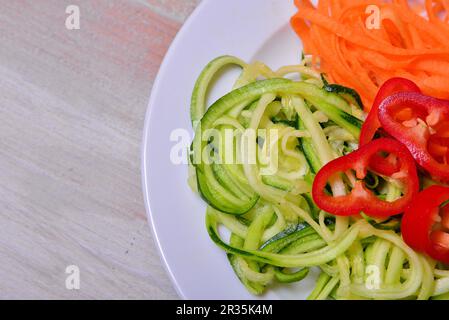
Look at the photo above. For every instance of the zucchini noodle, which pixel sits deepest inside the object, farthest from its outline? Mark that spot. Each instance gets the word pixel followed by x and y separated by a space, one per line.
pixel 253 160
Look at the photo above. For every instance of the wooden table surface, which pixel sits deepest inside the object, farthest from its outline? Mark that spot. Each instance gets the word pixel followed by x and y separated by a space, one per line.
pixel 72 106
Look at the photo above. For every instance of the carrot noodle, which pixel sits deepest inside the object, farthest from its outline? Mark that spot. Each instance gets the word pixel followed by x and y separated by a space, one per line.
pixel 411 42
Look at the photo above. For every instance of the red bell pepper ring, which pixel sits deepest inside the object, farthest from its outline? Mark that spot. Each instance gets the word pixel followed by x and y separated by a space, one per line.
pixel 425 224
pixel 421 123
pixel 361 199
pixel 390 87
pixel 372 124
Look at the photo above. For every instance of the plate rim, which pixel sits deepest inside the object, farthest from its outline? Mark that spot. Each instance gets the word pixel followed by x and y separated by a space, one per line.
pixel 145 146
pixel 149 171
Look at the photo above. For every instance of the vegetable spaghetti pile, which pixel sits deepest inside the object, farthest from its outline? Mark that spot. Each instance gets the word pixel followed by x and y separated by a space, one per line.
pixel 410 41
pixel 301 124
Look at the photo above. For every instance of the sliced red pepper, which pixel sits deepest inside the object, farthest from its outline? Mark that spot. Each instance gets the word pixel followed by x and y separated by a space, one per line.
pixel 372 124
pixel 361 199
pixel 422 124
pixel 390 87
pixel 425 224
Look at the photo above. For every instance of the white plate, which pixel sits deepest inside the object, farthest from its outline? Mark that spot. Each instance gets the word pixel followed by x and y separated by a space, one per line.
pixel 249 29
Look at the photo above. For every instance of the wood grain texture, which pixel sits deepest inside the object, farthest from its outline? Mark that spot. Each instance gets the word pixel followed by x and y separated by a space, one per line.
pixel 72 106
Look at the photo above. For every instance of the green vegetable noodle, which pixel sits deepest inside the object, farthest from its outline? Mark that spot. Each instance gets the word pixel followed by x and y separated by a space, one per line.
pixel 253 160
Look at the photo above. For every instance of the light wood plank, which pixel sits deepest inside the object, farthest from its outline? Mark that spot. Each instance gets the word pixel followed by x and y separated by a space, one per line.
pixel 72 105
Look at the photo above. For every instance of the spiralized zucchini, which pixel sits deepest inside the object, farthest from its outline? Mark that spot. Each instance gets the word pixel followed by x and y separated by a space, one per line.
pixel 253 161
